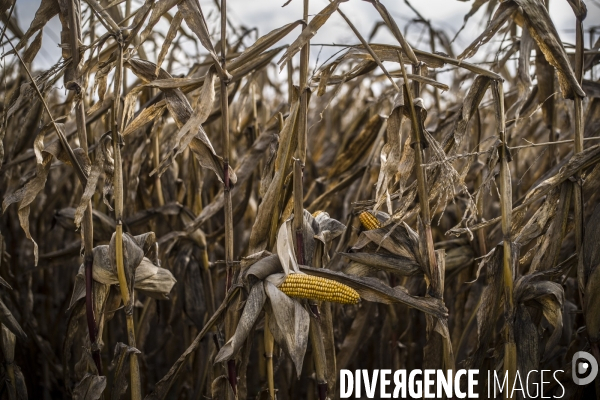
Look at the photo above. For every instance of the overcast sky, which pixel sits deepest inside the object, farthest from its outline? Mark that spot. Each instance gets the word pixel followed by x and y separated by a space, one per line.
pixel 445 15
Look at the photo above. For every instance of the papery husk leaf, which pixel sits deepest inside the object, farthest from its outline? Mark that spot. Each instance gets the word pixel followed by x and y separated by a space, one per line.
pixel 252 309
pixel 292 322
pixel 286 249
pixel 153 281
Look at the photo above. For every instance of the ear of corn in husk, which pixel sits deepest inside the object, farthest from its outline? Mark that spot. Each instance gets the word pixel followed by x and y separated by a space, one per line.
pixel 369 221
pixel 317 288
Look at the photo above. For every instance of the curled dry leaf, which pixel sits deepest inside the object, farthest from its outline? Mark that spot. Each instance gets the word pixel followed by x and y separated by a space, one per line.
pixel 147 277
pixel 311 30
pixel 285 248
pixel 120 364
pixel 544 32
pixel 252 309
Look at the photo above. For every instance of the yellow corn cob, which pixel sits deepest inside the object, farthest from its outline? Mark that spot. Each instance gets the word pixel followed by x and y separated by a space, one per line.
pixel 369 221
pixel 317 288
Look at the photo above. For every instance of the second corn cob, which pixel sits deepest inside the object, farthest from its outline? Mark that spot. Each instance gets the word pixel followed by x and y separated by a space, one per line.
pixel 369 221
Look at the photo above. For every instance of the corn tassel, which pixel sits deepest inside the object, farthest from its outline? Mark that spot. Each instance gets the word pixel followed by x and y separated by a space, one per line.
pixel 316 288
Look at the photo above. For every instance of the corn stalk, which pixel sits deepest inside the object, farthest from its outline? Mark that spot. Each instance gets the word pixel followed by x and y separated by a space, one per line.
pixel 87 222
pixel 301 145
pixel 136 390
pixel 269 343
pixel 580 13
pixel 436 273
pixel 230 324
pixel 510 348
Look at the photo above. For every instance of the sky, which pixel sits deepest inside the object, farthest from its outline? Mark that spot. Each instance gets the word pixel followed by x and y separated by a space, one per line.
pixel 446 15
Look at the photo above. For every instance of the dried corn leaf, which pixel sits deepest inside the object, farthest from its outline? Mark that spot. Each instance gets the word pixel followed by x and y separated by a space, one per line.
pixel 90 187
pixel 403 266
pixel 504 12
pixel 358 148
pixel 391 24
pixel 586 158
pixel 591 263
pixel 193 126
pixel 308 32
pixel 252 309
pixel 46 11
pixel 160 8
pixel 549 296
pixel 120 364
pixel 151 280
pixel 194 304
pixel 181 110
pixel 285 248
pixel 10 322
pixel 467 110
pixel 194 18
pixel 260 229
pixel 27 194
pixel 173 28
pixel 399 240
pixel 372 289
pixel 544 32
pixel 90 387
pixel 262 44
pixel 489 307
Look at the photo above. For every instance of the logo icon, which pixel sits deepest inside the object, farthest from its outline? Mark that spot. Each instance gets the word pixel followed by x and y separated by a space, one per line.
pixel 584 364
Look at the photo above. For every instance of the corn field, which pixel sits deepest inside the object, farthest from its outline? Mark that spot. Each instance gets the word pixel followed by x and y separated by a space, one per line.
pixel 250 227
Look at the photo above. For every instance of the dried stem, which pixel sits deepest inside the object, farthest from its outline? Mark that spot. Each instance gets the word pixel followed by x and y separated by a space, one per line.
pixel 420 171
pixel 269 342
pixel 156 159
pixel 319 356
pixel 577 185
pixel 510 349
pixel 61 135
pixel 136 391
pixel 226 149
pixel 228 210
pixel 301 146
pixel 87 222
pixel 578 148
pixel 436 272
